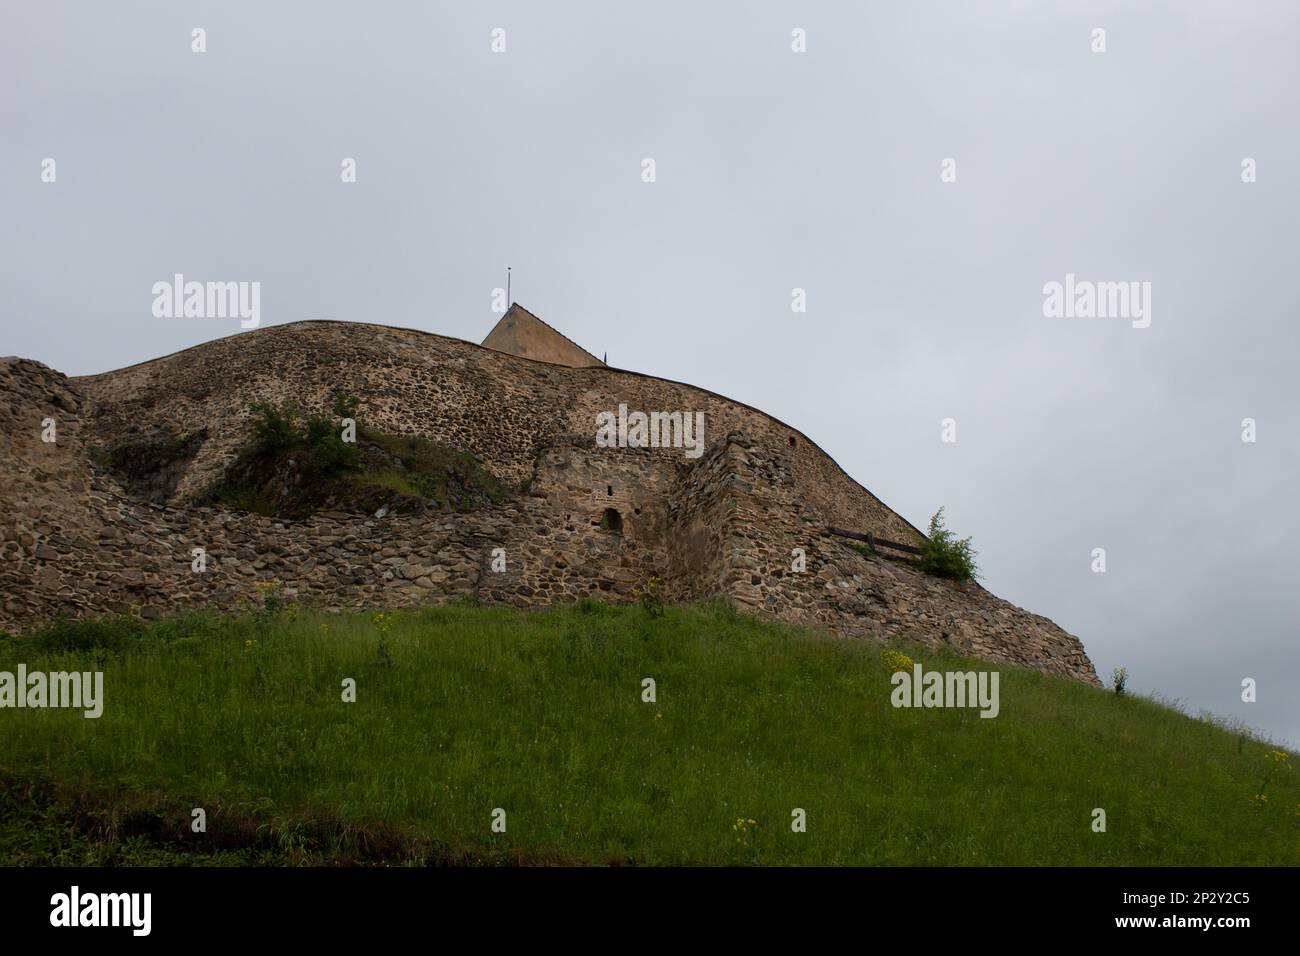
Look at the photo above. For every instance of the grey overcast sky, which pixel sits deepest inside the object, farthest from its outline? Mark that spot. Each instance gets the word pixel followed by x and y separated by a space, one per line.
pixel 775 170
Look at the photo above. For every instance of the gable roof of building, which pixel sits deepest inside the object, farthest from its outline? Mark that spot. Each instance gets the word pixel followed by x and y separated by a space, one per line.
pixel 521 333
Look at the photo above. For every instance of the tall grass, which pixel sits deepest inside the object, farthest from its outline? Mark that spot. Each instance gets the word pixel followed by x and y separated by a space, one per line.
pixel 541 714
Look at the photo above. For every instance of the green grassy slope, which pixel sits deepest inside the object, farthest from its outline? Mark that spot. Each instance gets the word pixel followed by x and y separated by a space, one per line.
pixel 466 709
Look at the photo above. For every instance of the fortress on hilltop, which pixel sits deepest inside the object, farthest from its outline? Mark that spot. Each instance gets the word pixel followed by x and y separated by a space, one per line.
pixel 92 524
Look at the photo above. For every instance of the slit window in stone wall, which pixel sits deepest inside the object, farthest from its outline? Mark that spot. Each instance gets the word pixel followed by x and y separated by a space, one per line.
pixel 611 520
pixel 792 441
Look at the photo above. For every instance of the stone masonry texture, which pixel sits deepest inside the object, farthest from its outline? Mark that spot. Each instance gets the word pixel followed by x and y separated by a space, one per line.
pixel 722 525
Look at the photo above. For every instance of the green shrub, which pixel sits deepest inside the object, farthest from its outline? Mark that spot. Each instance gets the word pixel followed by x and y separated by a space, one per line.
pixel 345 406
pixel 327 452
pixel 945 555
pixel 280 431
pixel 275 428
pixel 106 633
pixel 296 463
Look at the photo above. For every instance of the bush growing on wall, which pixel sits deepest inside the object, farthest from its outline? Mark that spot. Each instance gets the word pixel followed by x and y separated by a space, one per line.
pixel 945 555
pixel 327 452
pixel 345 406
pixel 274 428
pixel 279 430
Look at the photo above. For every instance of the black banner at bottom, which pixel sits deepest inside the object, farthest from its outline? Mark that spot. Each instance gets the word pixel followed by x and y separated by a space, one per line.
pixel 338 905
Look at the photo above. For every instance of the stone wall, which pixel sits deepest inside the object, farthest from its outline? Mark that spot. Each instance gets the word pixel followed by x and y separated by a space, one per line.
pixel 844 591
pixel 591 520
pixel 699 528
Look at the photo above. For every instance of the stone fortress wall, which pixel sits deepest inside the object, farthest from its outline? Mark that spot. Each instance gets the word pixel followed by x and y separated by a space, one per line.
pixel 720 525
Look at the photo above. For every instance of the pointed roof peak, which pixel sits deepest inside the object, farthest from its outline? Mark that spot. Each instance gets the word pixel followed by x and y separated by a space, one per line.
pixel 520 332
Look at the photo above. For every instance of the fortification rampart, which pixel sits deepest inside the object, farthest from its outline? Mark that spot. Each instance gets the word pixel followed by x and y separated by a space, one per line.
pixel 592 521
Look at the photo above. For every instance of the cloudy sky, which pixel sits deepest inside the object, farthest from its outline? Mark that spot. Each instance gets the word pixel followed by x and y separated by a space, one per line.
pixel 774 170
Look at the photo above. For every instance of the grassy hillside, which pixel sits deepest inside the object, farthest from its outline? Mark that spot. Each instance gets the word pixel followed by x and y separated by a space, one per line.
pixel 464 709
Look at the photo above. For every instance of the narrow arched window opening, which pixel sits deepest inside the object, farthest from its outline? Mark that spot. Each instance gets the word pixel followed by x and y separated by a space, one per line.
pixel 611 520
